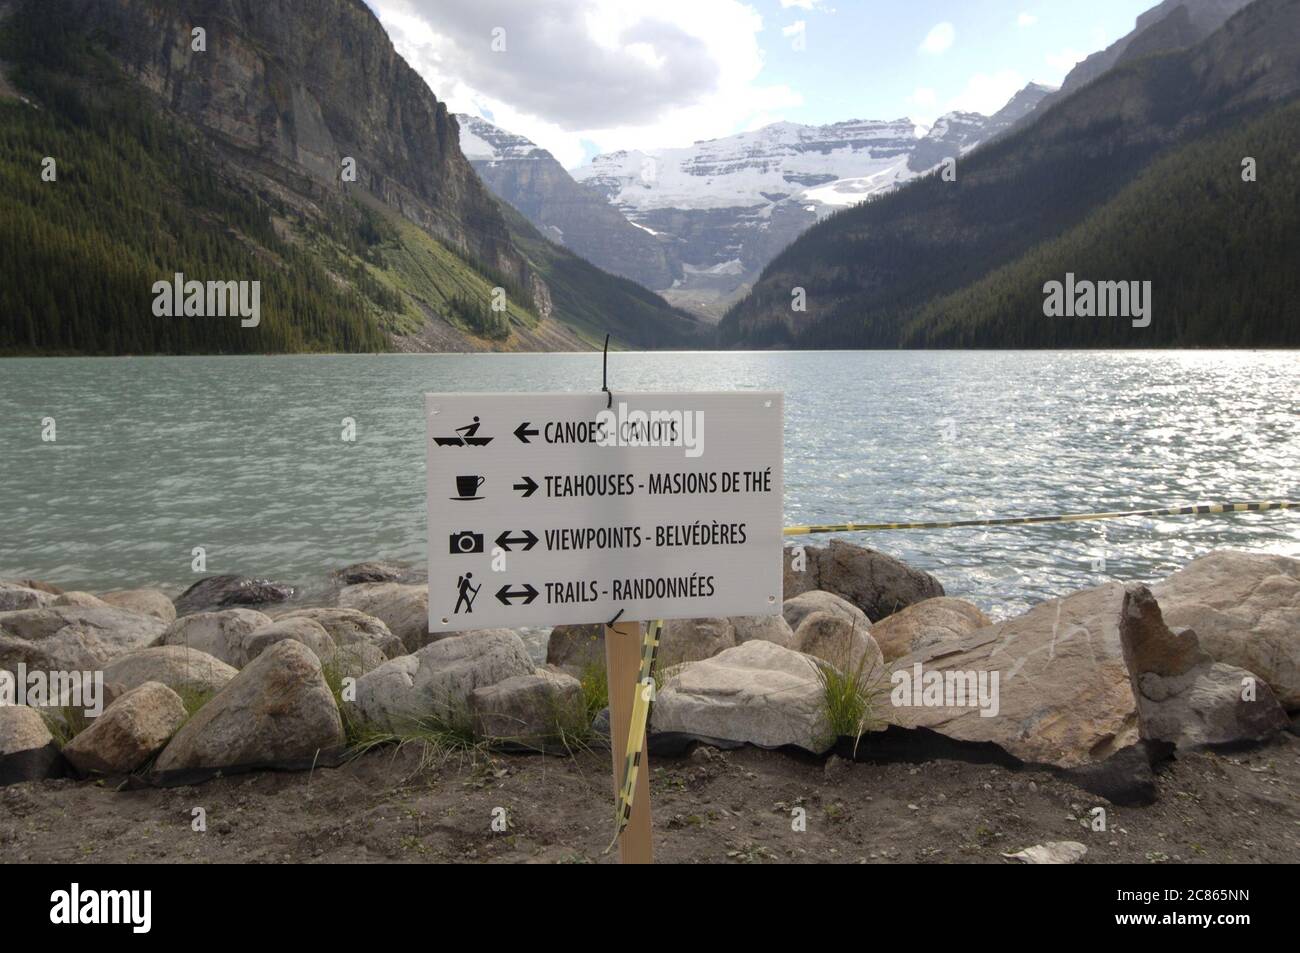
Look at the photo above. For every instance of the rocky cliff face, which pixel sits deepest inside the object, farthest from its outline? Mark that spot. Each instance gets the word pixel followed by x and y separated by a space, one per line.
pixel 530 179
pixel 291 88
pixel 729 206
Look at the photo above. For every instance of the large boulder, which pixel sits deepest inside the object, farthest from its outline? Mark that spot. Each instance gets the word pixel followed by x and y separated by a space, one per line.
pixel 878 584
pixel 184 670
pixel 932 622
pixel 690 640
pixel 404 609
pixel 434 684
pixel 129 732
pixel 757 693
pixel 795 609
pixel 761 628
pixel 14 597
pixel 146 601
pixel 374 571
pixel 27 749
pixel 71 638
pixel 1245 609
pixel 79 600
pixel 349 627
pixel 219 634
pixel 1056 686
pixel 1184 697
pixel 832 638
pixel 249 645
pixel 224 592
pixel 532 711
pixel 278 712
pixel 576 648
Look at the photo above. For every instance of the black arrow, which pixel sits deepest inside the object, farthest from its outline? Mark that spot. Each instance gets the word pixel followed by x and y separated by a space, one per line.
pixel 528 539
pixel 523 433
pixel 505 594
pixel 529 486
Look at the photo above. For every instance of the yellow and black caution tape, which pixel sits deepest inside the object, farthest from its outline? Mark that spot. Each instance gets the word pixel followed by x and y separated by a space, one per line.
pixel 1252 507
pixel 637 729
pixel 650 646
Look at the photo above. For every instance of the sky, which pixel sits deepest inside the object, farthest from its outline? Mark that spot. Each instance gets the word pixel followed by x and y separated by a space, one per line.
pixel 582 77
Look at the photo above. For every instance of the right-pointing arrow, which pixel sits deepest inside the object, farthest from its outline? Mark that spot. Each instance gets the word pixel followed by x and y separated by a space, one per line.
pixel 506 595
pixel 528 486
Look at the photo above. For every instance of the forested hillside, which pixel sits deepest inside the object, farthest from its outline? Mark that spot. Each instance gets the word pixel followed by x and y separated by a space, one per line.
pixel 1134 177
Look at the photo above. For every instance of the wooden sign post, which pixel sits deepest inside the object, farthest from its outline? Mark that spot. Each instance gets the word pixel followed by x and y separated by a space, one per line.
pixel 623 663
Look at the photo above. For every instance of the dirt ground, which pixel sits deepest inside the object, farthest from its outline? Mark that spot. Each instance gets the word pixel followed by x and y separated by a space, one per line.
pixel 708 807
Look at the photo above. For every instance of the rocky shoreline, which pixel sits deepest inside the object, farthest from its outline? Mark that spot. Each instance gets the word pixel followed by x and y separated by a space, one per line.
pixel 870 660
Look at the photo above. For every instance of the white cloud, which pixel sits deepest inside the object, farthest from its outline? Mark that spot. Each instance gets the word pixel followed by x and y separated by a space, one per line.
pixel 808 5
pixel 623 74
pixel 940 39
pixel 983 93
pixel 1026 20
pixel 795 28
pixel 1062 62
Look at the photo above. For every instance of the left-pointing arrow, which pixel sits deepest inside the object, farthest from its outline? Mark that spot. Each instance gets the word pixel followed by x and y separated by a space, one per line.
pixel 507 596
pixel 528 540
pixel 523 432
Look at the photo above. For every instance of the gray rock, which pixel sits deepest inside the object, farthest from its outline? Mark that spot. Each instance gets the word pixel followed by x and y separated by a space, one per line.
pixel 224 592
pixel 219 634
pixel 576 648
pixel 690 640
pixel 877 584
pixel 377 571
pixel 757 693
pixel 277 712
pixel 832 638
pixel 797 608
pixel 932 622
pixel 147 601
pixel 184 670
pixel 533 711
pixel 435 683
pixel 761 628
pixel 350 627
pixel 129 732
pixel 14 597
pixel 27 749
pixel 249 645
pixel 1245 610
pixel 1184 696
pixel 70 638
pixel 79 600
pixel 404 609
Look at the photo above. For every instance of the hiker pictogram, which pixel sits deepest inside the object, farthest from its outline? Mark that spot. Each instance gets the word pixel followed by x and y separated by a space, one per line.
pixel 467 592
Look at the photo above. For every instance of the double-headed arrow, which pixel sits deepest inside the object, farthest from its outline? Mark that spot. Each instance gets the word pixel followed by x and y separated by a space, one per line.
pixel 528 540
pixel 506 595
pixel 523 433
pixel 529 486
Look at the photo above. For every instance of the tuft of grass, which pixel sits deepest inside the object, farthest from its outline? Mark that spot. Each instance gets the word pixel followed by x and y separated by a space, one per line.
pixel 334 674
pixel 851 691
pixel 193 698
pixel 595 688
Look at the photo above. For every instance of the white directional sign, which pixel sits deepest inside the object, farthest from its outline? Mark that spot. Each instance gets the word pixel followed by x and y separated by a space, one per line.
pixel 554 508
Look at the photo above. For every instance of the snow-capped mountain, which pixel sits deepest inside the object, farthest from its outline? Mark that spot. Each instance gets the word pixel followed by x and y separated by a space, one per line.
pixel 529 178
pixel 729 206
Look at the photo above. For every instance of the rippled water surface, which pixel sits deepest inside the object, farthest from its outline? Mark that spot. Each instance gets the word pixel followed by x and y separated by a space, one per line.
pixel 242 455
